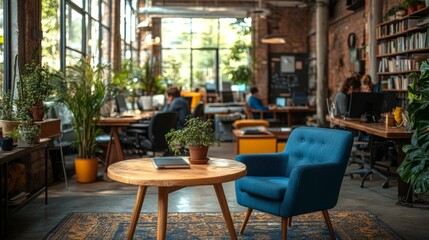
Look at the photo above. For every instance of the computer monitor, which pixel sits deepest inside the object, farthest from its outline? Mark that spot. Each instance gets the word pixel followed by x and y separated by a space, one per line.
pixel 362 103
pixel 390 101
pixel 227 96
pixel 121 103
pixel 299 98
pixel 281 102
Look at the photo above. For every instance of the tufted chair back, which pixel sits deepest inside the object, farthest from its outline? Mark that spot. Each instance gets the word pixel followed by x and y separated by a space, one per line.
pixel 306 177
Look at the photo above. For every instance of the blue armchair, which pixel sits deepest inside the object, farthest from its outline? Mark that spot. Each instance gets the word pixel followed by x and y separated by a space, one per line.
pixel 306 177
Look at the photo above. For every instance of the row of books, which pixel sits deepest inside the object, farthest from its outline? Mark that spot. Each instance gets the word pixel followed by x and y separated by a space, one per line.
pixel 419 40
pixel 397 82
pixel 397 27
pixel 398 64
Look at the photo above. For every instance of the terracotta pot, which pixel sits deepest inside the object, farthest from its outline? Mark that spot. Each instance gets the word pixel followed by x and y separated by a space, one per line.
pixel 411 10
pixel 37 112
pixel 198 155
pixel 420 6
pixel 8 126
pixel 86 169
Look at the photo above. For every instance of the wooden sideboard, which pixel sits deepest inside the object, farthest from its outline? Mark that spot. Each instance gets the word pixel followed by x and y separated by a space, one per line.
pixel 21 178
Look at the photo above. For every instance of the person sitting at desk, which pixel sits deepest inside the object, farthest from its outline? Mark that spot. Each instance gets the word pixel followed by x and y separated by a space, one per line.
pixel 256 104
pixel 341 99
pixel 366 85
pixel 176 103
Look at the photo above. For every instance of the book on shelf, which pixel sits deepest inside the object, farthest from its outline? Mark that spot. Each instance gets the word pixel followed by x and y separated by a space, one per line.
pixel 170 162
pixel 396 82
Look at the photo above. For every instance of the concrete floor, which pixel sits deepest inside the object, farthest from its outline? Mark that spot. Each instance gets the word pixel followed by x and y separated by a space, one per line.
pixel 36 219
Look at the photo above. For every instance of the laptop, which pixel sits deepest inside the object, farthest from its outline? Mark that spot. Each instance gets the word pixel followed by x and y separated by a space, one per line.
pixel 281 102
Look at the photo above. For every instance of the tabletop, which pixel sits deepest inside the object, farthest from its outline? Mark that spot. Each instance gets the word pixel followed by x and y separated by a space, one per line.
pixel 124 120
pixel 377 129
pixel 142 172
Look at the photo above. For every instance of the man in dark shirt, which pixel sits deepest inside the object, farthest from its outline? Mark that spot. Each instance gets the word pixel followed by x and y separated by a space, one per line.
pixel 176 103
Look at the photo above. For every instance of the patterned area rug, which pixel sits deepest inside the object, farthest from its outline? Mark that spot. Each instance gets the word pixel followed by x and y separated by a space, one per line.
pixel 347 225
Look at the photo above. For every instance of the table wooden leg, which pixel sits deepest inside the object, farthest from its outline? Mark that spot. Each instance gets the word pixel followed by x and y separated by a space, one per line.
pixel 225 210
pixel 115 143
pixel 162 212
pixel 136 212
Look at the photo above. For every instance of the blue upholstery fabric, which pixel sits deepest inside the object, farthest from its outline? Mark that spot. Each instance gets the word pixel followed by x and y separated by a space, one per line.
pixel 305 177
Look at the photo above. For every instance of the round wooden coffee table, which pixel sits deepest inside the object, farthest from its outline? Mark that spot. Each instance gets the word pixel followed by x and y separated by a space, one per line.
pixel 141 172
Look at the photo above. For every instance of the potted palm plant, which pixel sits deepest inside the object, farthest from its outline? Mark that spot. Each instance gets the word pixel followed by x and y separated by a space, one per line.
pixel 197 136
pixel 83 91
pixel 415 167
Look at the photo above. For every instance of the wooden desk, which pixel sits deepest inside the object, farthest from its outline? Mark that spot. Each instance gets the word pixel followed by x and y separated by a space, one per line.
pixel 289 111
pixel 398 134
pixel 265 143
pixel 114 147
pixel 141 172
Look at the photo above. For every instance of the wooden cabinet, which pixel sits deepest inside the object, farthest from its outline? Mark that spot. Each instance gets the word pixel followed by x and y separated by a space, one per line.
pixel 23 177
pixel 402 44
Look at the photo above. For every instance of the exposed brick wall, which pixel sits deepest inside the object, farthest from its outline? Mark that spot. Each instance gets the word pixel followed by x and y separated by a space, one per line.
pixel 292 22
pixel 341 24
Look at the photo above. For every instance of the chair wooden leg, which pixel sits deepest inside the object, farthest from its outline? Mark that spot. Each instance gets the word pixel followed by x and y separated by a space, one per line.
pixel 329 224
pixel 290 221
pixel 285 222
pixel 246 218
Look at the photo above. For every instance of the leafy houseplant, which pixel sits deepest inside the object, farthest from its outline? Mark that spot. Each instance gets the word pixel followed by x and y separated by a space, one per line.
pixel 29 133
pixel 83 91
pixel 415 168
pixel 36 87
pixel 410 5
pixel 197 134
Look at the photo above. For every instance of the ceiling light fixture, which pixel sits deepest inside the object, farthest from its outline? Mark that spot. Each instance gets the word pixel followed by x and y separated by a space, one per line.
pixel 274 39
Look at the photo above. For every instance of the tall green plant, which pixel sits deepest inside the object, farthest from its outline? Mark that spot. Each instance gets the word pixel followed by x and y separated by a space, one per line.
pixel 83 91
pixel 415 168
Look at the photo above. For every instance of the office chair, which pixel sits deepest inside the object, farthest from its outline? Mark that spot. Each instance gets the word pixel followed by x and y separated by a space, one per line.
pixel 242 123
pixel 367 161
pixel 306 177
pixel 199 110
pixel 159 125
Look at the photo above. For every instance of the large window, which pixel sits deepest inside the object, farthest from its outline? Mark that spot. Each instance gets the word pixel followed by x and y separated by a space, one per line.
pixel 128 30
pixel 2 67
pixel 86 31
pixel 196 51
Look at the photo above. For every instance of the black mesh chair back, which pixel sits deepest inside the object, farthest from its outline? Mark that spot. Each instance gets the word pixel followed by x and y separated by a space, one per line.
pixel 160 124
pixel 199 110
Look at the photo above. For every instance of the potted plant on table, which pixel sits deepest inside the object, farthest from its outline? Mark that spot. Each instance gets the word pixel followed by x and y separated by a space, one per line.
pixel 415 167
pixel 36 82
pixel 28 133
pixel 7 113
pixel 83 91
pixel 197 136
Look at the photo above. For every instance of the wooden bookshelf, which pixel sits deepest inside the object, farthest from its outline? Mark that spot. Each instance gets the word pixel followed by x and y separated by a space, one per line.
pixel 402 44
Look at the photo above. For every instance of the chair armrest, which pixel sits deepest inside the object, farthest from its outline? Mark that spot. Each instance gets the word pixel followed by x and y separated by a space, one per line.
pixel 264 164
pixel 313 187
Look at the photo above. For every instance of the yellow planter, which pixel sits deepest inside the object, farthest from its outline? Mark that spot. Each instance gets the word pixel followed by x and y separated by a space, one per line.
pixel 86 169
